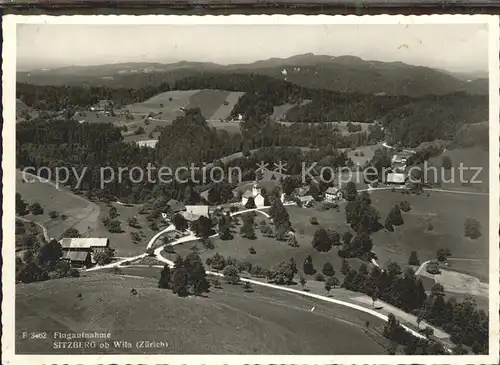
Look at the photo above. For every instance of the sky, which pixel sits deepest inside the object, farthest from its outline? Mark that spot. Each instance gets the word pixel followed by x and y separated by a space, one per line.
pixel 454 47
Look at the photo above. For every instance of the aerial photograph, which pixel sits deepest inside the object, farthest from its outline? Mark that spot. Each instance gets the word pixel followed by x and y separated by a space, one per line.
pixel 252 189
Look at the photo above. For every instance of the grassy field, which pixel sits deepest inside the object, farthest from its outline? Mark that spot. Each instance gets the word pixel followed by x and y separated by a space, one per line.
pixel 81 214
pixel 363 154
pixel 227 321
pixel 122 242
pixel 270 252
pixel 224 110
pixel 446 212
pixel 469 157
pixel 211 103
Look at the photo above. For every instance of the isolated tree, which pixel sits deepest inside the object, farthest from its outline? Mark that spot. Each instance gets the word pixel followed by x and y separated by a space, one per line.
pixel 231 274
pixel 302 281
pixel 328 286
pixel 179 281
pixel 292 241
pixel 104 257
pixel 197 277
pixel 250 204
pixel 21 205
pixel 320 241
pixel 446 162
pixel 180 222
pixel 405 206
pixel 351 191
pixel 218 262
pixel 283 273
pixel 279 214
pixel 395 216
pixel 113 213
pixel 53 214
pixel 345 268
pixel 133 222
pixel 164 281
pixel 472 228
pixel 225 228
pixel 247 229
pixel 334 281
pixel 308 266
pixel 428 332
pixel 437 290
pixel 247 287
pixel 36 208
pixel 328 269
pixel 413 259
pixel 441 255
pixel 114 226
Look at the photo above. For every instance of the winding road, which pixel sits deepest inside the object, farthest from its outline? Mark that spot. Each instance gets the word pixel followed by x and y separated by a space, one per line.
pixel 44 230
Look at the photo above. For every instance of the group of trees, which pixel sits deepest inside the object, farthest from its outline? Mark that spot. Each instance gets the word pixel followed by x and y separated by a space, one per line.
pixel 43 262
pixel 472 228
pixel 394 218
pixel 466 324
pixel 218 262
pixel 187 277
pixel 324 239
pixel 22 207
pixel 412 345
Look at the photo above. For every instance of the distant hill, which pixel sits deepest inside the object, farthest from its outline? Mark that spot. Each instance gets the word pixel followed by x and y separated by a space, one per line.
pixel 341 74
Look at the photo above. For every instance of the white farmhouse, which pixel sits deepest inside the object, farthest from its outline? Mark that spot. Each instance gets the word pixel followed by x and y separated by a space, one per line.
pixel 333 194
pixel 255 193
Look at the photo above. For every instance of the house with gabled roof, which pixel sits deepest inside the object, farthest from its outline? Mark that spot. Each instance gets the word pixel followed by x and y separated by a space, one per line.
pixel 255 193
pixel 80 251
pixel 175 206
pixel 199 210
pixel 333 194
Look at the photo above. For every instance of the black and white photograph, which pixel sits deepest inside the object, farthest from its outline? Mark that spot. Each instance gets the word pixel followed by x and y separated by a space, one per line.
pixel 306 188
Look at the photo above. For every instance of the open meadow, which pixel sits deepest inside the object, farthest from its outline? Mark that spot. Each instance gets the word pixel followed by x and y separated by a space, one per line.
pixel 434 221
pixel 269 252
pixel 229 320
pixel 122 242
pixel 214 104
pixel 474 159
pixel 73 211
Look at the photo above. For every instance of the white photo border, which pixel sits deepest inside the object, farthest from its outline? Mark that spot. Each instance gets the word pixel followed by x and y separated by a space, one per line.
pixel 8 165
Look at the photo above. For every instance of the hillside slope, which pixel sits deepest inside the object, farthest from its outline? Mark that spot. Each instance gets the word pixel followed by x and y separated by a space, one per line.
pixel 228 321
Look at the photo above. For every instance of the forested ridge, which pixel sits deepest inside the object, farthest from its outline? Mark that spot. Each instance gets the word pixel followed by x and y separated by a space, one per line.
pixel 408 121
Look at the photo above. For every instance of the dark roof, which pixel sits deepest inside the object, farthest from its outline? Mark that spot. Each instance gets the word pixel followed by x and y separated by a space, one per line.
pixel 302 191
pixel 175 206
pixel 332 190
pixel 80 256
